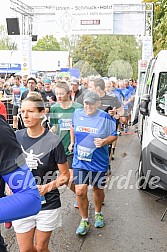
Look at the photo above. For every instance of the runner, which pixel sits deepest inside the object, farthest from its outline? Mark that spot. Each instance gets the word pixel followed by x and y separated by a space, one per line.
pixel 16 94
pixel 91 132
pixel 44 153
pixel 61 119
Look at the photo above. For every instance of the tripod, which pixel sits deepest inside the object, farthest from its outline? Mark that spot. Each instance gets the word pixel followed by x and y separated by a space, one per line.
pixel 164 213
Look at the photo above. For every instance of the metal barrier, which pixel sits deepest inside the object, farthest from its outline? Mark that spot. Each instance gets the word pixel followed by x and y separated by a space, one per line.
pixel 9 108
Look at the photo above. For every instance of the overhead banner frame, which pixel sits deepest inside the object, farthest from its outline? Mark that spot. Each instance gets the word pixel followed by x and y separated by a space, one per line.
pixel 95 17
pixel 90 17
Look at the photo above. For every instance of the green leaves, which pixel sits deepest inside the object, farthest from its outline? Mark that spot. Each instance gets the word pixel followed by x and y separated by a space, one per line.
pixel 47 43
pixel 107 55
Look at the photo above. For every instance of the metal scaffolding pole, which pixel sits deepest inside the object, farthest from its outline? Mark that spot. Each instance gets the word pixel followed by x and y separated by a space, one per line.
pixel 29 12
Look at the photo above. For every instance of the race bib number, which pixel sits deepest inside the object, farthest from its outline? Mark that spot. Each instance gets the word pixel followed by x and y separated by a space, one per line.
pixel 84 153
pixel 65 124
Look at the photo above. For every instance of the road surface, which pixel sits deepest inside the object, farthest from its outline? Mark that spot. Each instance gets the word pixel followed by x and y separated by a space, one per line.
pixel 132 217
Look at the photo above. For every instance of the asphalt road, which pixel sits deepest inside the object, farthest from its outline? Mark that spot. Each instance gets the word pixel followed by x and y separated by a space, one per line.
pixel 132 217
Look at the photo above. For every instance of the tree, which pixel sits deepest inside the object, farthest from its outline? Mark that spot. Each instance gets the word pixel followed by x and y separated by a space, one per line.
pixel 47 43
pixel 65 43
pixel 160 29
pixel 86 52
pixel 5 42
pixel 99 54
pixel 68 43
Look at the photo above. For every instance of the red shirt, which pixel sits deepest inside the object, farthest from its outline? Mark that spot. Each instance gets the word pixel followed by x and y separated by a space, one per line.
pixel 3 110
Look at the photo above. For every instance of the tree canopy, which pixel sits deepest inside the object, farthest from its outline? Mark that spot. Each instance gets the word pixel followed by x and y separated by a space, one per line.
pixel 47 43
pixel 107 55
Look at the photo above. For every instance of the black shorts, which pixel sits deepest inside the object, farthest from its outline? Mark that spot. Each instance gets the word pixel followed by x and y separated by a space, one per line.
pixel 69 160
pixel 109 148
pixel 117 123
pixel 15 110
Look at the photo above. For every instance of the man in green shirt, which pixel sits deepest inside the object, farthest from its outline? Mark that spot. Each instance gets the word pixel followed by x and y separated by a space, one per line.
pixel 61 118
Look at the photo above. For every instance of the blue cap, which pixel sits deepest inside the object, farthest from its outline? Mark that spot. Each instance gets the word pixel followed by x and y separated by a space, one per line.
pixel 47 81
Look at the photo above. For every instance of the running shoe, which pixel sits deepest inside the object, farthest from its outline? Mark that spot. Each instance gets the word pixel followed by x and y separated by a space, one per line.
pixel 76 204
pixel 119 133
pixel 83 228
pixel 99 220
pixel 109 171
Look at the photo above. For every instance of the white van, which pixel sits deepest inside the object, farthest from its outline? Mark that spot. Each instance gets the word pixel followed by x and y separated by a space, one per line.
pixel 153 109
pixel 142 68
pixel 144 89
